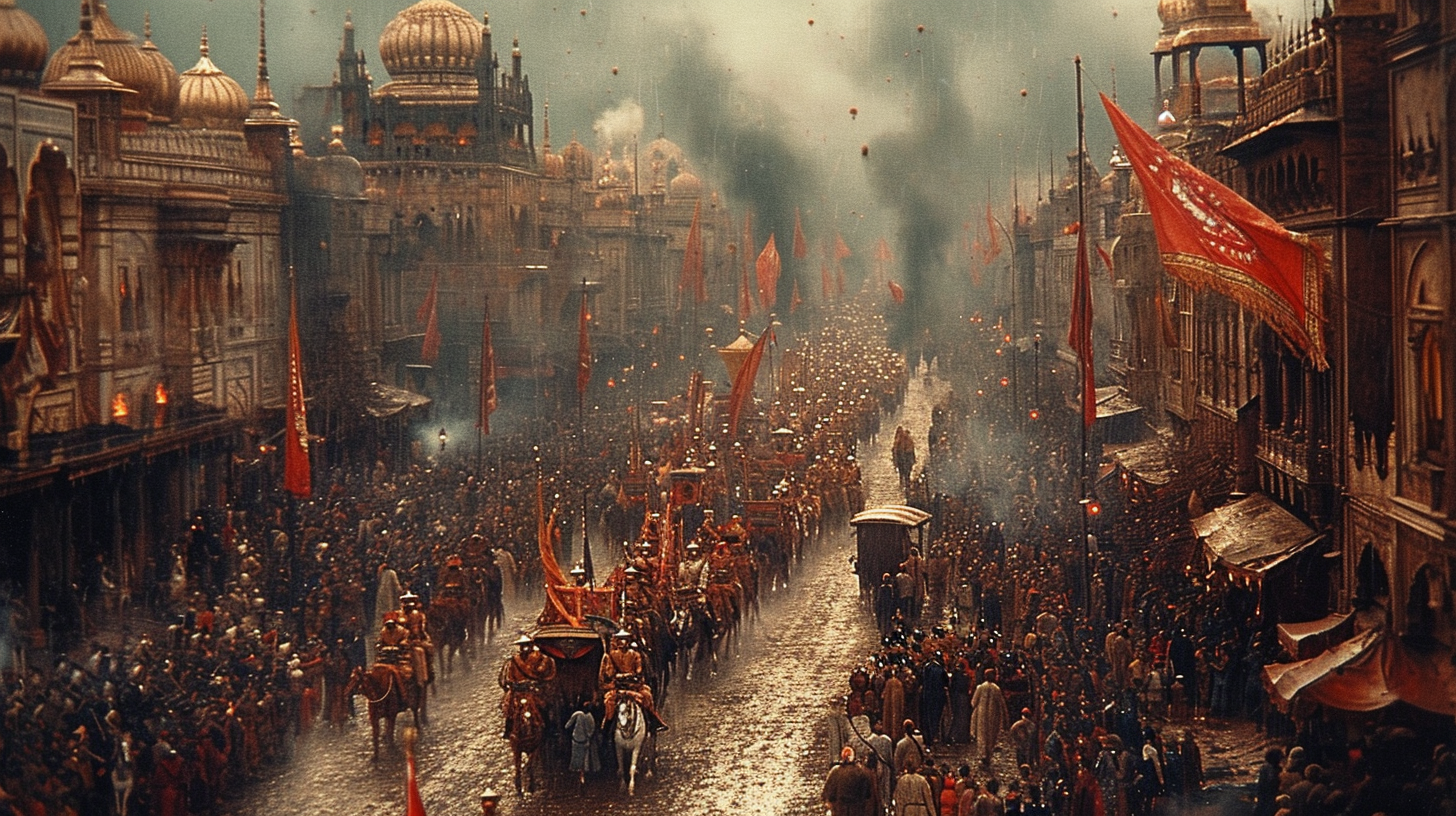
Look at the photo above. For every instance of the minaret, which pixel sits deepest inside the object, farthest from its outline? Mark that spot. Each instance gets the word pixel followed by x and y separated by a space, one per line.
pixel 266 127
pixel 487 144
pixel 98 116
pixel 546 125
pixel 353 89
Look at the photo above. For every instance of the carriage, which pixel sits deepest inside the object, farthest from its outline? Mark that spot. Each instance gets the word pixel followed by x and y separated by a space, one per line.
pixel 884 537
pixel 773 537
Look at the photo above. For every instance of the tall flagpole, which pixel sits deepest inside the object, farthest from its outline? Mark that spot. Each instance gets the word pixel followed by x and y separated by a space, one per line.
pixel 1082 224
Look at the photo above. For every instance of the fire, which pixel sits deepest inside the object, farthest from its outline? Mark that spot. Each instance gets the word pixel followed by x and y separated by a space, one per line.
pixel 119 409
pixel 161 394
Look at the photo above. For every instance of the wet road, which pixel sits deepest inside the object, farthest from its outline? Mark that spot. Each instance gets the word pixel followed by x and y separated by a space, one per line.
pixel 750 740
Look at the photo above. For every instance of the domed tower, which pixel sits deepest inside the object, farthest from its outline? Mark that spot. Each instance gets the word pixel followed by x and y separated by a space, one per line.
pixel 430 51
pixel 578 160
pixel 23 47
pixel 83 78
pixel 266 127
pixel 210 98
pixel 164 85
pixel 1204 24
pixel 152 77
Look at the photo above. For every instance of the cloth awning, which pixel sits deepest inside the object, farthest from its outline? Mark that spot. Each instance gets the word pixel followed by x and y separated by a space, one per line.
pixel 1252 535
pixel 1368 672
pixel 1149 461
pixel 1305 640
pixel 900 514
pixel 382 401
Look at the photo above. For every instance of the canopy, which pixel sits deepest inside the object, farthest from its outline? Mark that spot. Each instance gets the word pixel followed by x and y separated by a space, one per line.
pixel 1368 672
pixel 1252 535
pixel 382 401
pixel 898 514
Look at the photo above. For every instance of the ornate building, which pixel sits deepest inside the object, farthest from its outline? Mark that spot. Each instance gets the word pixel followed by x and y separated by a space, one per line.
pixel 142 269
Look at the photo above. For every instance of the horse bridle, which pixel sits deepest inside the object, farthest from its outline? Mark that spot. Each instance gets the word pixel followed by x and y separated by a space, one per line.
pixel 388 686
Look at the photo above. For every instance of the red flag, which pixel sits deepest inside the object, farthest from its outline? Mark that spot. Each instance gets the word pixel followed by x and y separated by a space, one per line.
pixel 795 300
pixel 824 282
pixel 416 806
pixel 583 347
pixel 841 249
pixel 1079 336
pixel 768 267
pixel 1106 261
pixel 692 268
pixel 897 292
pixel 297 476
pixel 994 249
pixel 1209 236
pixel 430 348
pixel 487 374
pixel 801 248
pixel 1170 334
pixel 743 383
pixel 428 306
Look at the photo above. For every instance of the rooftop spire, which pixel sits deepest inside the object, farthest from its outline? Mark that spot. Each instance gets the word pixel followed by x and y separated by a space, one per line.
pixel 264 109
pixel 203 47
pixel 546 123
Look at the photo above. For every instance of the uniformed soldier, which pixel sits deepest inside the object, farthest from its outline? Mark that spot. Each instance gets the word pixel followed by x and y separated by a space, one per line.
pixel 622 672
pixel 526 673
pixel 413 618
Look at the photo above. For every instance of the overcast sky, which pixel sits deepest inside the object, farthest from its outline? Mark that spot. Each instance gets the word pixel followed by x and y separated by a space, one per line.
pixel 760 97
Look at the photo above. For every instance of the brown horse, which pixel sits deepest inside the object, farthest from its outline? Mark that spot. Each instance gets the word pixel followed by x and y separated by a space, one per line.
pixel 449 622
pixel 388 695
pixel 527 732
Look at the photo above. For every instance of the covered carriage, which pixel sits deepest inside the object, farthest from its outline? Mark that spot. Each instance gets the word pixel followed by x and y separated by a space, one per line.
pixel 884 536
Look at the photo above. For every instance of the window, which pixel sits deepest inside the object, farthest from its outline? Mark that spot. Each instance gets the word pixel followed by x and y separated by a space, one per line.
pixel 126 298
pixel 1431 388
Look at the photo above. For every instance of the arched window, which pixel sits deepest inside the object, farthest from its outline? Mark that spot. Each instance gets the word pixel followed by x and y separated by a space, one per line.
pixel 1431 378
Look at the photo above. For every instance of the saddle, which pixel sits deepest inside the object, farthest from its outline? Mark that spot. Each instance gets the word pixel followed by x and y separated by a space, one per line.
pixel 627 682
pixel 526 687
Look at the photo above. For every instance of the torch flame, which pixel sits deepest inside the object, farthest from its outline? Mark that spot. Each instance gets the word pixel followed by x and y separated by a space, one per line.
pixel 119 409
pixel 161 394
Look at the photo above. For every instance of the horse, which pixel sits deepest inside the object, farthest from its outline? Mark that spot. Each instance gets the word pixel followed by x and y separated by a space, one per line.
pixel 527 732
pixel 449 617
pixel 632 738
pixel 692 627
pixel 123 774
pixel 388 695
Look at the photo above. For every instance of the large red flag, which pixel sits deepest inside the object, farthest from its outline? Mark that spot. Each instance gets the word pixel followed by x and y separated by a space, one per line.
pixel 692 268
pixel 801 247
pixel 768 267
pixel 583 347
pixel 297 475
pixel 1165 323
pixel 1209 236
pixel 743 383
pixel 487 374
pixel 994 249
pixel 422 314
pixel 1079 336
pixel 416 805
pixel 897 292
pixel 430 348
pixel 841 249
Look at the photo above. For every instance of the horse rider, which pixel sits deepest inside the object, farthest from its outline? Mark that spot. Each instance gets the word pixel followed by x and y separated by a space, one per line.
pixel 413 618
pixel 692 571
pixel 622 673
pixel 525 674
pixel 452 580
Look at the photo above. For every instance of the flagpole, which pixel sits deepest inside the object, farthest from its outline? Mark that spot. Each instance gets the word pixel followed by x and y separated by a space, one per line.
pixel 1082 222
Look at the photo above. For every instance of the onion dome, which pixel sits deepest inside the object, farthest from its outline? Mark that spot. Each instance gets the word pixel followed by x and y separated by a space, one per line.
pixel 1166 119
pixel 1172 13
pixel 159 97
pixel 123 61
pixel 210 98
pixel 23 44
pixel 433 42
pixel 686 185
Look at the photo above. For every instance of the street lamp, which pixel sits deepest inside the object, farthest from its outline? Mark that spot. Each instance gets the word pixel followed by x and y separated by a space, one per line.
pixel 444 437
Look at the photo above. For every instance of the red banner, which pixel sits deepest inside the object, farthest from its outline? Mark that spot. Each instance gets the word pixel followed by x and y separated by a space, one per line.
pixel 691 278
pixel 743 383
pixel 1079 336
pixel 994 250
pixel 801 247
pixel 897 292
pixel 583 347
pixel 768 267
pixel 430 348
pixel 297 475
pixel 1211 237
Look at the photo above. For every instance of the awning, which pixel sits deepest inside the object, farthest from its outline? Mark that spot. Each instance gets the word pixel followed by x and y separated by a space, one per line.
pixel 899 514
pixel 1347 677
pixel 1368 672
pixel 1305 640
pixel 382 401
pixel 1149 461
pixel 1252 535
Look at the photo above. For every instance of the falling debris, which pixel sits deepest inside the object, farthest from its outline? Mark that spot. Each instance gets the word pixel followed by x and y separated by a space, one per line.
pixel 864 150
pixel 853 112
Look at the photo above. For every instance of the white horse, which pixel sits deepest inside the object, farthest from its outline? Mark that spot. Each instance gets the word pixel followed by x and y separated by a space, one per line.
pixel 123 774
pixel 633 739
